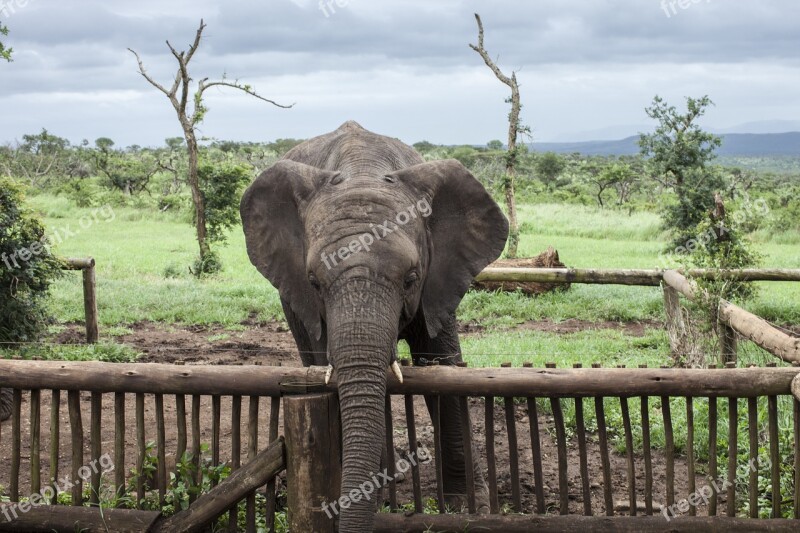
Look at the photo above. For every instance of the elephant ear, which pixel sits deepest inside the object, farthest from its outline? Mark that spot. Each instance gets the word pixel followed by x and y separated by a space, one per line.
pixel 275 236
pixel 468 231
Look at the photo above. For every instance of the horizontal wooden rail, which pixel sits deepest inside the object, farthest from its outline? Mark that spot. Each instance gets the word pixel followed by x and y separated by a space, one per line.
pixel 73 263
pixel 67 519
pixel 154 378
pixel 420 523
pixel 743 322
pixel 87 265
pixel 643 277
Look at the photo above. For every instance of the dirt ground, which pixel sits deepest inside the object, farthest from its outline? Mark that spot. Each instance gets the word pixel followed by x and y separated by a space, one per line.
pixel 213 345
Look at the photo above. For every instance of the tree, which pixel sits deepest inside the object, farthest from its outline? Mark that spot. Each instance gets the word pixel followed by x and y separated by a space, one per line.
pixel 549 167
pixel 190 116
pixel 128 172
pixel 494 144
pixel 514 130
pixel 5 53
pixel 40 158
pixel 27 267
pixel 679 151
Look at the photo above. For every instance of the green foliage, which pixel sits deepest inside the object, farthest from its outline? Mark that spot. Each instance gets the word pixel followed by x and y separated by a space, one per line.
pixel 5 53
pixel 548 167
pixel 129 172
pixel 679 151
pixel 27 267
pixel 222 186
pixel 494 144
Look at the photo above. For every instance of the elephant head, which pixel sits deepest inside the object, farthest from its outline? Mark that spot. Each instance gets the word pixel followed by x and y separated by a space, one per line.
pixel 357 251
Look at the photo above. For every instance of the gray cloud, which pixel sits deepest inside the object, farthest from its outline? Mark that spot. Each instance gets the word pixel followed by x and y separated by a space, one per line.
pixel 403 67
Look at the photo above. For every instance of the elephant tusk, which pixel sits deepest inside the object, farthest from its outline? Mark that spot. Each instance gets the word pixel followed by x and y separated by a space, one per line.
pixel 397 372
pixel 328 374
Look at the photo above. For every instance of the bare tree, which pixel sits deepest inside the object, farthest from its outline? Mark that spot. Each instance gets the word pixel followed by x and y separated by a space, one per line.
pixel 514 130
pixel 189 118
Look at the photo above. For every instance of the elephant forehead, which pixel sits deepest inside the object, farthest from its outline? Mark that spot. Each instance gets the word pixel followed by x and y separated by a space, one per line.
pixel 353 205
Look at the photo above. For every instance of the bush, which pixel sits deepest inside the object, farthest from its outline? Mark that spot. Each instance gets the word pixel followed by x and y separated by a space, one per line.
pixel 27 267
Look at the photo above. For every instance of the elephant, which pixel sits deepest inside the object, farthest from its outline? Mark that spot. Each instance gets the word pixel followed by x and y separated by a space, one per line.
pixel 368 244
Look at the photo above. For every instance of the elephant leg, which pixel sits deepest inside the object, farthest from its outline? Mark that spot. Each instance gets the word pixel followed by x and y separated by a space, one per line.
pixel 312 352
pixel 446 350
pixel 6 401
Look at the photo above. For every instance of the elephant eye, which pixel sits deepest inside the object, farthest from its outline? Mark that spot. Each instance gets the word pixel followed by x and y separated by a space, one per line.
pixel 411 277
pixel 312 279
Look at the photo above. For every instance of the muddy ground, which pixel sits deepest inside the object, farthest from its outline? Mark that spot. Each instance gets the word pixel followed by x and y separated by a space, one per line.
pixel 272 344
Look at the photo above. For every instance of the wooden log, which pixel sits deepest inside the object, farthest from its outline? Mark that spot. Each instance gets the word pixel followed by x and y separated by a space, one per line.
pixel 435 410
pixel 35 452
pixel 690 451
pixel 196 450
pixel 119 446
pixel 271 506
pixel 643 277
pixel 669 450
pixel 571 275
pixel 796 419
pixel 180 415
pixel 602 436
pixel 411 428
pixel 752 422
pixel 536 455
pixel 95 446
pixel 631 471
pixel 586 490
pixel 141 449
pixel 76 425
pixel 236 455
pixel 733 448
pixel 399 523
pixel 16 442
pixel 743 322
pixel 90 304
pixel 61 519
pixel 774 456
pixel 712 452
pixel 55 441
pixel 161 445
pixel 252 448
pixel 266 465
pixel 491 463
pixel 727 343
pixel 441 380
pixel 676 326
pixel 796 387
pixel 561 443
pixel 513 454
pixel 313 451
pixel 75 263
pixel 466 434
pixel 216 418
pixel 648 459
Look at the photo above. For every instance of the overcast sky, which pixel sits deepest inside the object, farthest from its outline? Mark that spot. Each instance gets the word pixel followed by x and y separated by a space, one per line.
pixel 400 67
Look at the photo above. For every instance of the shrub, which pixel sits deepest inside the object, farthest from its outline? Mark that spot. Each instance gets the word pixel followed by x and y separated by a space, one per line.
pixel 27 267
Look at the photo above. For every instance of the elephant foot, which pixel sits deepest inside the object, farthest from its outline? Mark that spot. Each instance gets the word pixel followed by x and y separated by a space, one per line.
pixel 459 503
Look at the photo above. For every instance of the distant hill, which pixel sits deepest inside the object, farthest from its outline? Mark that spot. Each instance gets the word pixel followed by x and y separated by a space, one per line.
pixel 733 144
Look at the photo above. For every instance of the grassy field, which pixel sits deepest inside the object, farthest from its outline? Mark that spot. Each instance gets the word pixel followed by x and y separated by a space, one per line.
pixel 143 259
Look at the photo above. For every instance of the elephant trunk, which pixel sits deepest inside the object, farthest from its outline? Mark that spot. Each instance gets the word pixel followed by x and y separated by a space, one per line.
pixel 362 341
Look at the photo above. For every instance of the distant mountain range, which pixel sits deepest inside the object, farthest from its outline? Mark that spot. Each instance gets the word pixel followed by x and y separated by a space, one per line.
pixel 733 144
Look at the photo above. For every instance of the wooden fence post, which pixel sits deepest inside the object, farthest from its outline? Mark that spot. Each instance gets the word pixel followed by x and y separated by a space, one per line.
pixel 313 460
pixel 90 303
pixel 727 342
pixel 676 327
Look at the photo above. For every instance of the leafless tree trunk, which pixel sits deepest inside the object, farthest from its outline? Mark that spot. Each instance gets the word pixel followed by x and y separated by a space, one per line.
pixel 178 95
pixel 513 133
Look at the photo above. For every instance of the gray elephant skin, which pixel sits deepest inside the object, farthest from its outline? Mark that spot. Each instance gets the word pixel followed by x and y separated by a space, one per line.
pixel 367 243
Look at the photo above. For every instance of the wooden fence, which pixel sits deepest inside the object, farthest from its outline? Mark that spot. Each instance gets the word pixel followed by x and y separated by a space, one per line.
pixel 89 294
pixel 504 403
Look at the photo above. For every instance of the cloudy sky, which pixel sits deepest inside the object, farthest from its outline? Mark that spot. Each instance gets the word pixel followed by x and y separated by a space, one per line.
pixel 400 67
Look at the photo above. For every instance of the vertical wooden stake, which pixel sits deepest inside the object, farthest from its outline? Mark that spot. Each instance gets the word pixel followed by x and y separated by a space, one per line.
pixel 676 328
pixel 727 343
pixel 90 303
pixel 313 465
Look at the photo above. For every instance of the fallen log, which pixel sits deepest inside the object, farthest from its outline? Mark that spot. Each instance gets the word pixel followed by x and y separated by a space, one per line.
pixel 745 323
pixel 547 259
pixel 266 465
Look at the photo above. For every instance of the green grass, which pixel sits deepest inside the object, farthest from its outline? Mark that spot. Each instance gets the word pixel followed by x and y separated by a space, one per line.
pixel 143 257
